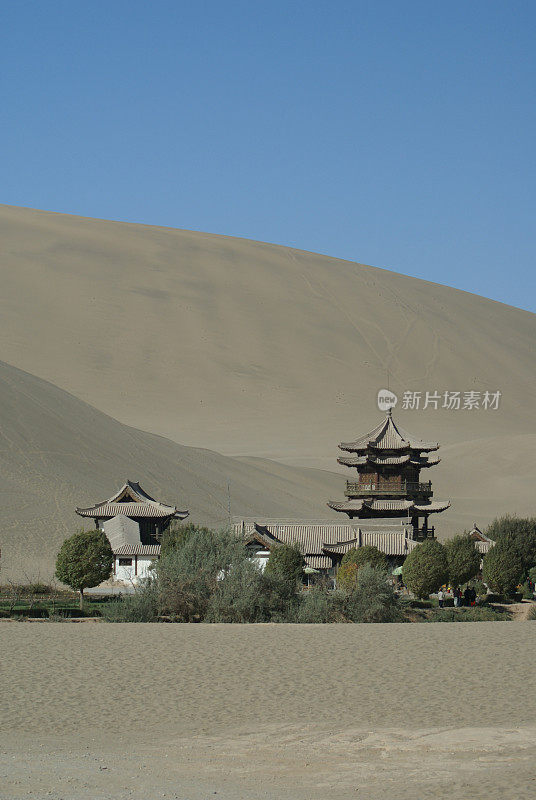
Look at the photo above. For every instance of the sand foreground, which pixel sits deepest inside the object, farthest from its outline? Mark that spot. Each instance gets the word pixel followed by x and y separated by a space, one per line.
pixel 267 711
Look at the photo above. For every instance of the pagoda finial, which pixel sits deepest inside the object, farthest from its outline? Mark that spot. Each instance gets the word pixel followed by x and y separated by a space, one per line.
pixel 390 412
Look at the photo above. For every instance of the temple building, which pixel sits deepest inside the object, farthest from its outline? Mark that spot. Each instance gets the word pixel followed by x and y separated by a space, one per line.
pixel 388 461
pixel 387 505
pixel 133 521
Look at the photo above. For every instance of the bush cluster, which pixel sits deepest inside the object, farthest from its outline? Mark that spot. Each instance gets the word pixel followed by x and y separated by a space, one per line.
pixel 209 576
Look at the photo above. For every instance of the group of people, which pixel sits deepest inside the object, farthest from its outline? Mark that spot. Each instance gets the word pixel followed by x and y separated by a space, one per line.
pixel 467 597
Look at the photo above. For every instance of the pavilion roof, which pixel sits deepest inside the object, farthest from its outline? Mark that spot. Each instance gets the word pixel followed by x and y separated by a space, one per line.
pixel 378 459
pixel 388 436
pixel 131 501
pixel 389 506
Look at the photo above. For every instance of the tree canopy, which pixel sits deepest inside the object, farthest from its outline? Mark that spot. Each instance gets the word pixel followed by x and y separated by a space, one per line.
pixel 84 560
pixel 503 566
pixel 177 535
pixel 520 532
pixel 286 562
pixel 463 559
pixel 425 569
pixel 353 560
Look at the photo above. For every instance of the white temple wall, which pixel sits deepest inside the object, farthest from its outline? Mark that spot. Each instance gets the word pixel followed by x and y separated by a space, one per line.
pixel 126 574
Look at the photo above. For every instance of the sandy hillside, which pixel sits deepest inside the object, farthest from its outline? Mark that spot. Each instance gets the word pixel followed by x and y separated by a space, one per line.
pixel 279 712
pixel 252 349
pixel 57 452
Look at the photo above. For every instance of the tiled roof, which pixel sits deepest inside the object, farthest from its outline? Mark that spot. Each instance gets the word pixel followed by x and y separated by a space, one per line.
pixel 388 436
pixel 128 509
pixel 381 460
pixel 318 539
pixel 137 550
pixel 132 501
pixel 388 505
pixel 434 507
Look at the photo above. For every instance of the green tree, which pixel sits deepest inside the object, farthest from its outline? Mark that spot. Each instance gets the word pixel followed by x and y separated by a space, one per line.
pixel 520 532
pixel 176 536
pixel 84 560
pixel 367 554
pixel 286 563
pixel 426 568
pixel 463 559
pixel 503 566
pixel 347 576
pixel 353 560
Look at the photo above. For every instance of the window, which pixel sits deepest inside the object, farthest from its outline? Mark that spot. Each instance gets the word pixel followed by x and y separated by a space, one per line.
pixel 125 562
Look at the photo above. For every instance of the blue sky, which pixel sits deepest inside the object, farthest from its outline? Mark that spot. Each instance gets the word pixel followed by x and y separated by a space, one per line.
pixel 398 134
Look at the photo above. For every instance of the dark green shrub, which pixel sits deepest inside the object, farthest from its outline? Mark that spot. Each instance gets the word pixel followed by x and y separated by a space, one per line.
pixel 286 562
pixel 425 569
pixel 174 537
pixel 353 560
pixel 503 566
pixel 527 593
pixel 141 606
pixel 245 594
pixel 374 599
pixel 320 605
pixel 347 577
pixel 367 554
pixel 84 560
pixel 186 577
pixel 463 559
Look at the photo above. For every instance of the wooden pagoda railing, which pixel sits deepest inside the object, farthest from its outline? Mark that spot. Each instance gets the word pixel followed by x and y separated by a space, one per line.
pixel 406 487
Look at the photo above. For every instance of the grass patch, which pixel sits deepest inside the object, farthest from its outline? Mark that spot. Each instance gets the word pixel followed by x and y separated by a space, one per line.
pixel 46 608
pixel 472 614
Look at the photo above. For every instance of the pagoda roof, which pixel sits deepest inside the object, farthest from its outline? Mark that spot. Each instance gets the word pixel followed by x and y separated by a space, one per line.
pixel 388 436
pixel 131 501
pixel 381 460
pixel 389 506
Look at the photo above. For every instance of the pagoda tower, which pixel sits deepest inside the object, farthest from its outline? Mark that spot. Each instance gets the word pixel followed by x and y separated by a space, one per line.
pixel 388 485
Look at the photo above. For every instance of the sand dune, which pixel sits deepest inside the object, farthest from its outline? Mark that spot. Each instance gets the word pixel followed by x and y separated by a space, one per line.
pixel 57 452
pixel 268 711
pixel 251 350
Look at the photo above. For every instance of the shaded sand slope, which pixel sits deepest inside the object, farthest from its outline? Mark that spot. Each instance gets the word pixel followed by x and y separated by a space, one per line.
pixel 268 711
pixel 57 452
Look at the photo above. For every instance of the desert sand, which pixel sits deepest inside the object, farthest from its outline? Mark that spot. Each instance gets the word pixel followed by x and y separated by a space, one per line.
pixel 241 348
pixel 267 711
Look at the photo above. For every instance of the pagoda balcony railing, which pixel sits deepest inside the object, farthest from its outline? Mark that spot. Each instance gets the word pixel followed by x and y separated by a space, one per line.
pixel 354 488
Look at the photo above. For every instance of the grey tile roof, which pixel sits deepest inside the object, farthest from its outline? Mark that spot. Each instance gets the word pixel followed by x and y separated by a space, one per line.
pixel 318 539
pixel 380 460
pixel 388 436
pixel 132 501
pixel 137 550
pixel 388 505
